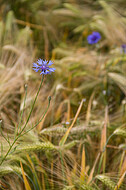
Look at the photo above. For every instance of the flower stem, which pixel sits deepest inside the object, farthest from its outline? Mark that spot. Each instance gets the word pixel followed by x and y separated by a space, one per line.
pixel 38 121
pixel 32 106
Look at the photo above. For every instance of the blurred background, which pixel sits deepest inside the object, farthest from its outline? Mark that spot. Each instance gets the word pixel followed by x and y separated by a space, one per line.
pixel 88 91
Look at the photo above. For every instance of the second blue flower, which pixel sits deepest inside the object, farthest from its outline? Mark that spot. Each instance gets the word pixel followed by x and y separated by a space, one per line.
pixel 94 38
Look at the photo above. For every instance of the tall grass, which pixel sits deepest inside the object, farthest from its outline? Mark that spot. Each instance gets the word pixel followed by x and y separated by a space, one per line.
pixel 70 148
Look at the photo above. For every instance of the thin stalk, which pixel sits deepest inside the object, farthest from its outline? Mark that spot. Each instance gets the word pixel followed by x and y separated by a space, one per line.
pixel 62 164
pixel 22 110
pixel 7 152
pixel 7 139
pixel 100 164
pixel 32 106
pixel 107 142
pixel 38 121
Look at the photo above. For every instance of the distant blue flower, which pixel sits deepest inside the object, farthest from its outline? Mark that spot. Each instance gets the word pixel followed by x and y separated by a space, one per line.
pixel 123 48
pixel 94 38
pixel 43 66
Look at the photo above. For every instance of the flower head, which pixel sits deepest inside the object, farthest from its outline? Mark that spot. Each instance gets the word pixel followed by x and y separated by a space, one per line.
pixel 123 48
pixel 43 66
pixel 94 38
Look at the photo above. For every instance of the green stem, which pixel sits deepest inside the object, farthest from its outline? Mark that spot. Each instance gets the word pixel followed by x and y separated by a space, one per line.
pixel 24 125
pixel 7 152
pixel 62 164
pixel 100 163
pixel 107 142
pixel 32 106
pixel 38 121
pixel 22 110
pixel 7 139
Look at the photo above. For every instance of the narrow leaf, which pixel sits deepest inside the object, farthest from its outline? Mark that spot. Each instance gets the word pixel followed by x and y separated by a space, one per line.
pixel 64 138
pixel 27 186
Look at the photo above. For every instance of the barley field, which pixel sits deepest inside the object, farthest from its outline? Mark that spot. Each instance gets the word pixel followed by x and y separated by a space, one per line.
pixel 62 95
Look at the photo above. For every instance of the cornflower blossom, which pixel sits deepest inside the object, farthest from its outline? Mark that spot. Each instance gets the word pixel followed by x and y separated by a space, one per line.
pixel 43 66
pixel 94 38
pixel 123 48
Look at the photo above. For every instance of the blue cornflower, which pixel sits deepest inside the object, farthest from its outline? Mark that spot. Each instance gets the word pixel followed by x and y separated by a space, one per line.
pixel 43 66
pixel 94 38
pixel 123 48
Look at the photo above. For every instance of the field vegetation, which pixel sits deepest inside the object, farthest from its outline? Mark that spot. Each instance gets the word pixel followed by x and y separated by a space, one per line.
pixel 74 137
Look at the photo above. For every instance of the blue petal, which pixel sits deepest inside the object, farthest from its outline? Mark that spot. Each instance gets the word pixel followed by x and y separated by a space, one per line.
pixel 89 39
pixel 123 46
pixel 45 62
pixel 52 69
pixel 42 73
pixel 35 69
pixel 40 61
pixel 35 65
pixel 50 63
pixel 47 72
pixel 97 34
